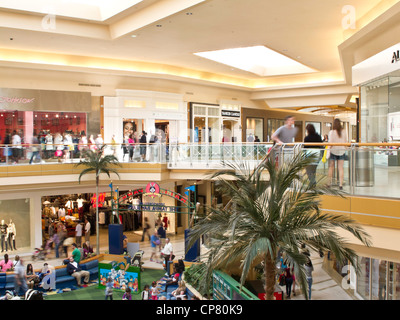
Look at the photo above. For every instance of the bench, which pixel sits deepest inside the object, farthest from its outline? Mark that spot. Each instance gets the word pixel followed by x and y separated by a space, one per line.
pixel 63 278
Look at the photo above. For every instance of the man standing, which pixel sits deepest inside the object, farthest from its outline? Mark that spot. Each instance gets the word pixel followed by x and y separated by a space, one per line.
pixel 168 254
pixel 285 133
pixel 78 234
pixel 76 271
pixel 20 277
pixel 17 147
pixel 87 230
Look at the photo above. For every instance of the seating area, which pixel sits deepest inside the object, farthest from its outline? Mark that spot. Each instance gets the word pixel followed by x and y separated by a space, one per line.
pixel 63 278
pixel 170 289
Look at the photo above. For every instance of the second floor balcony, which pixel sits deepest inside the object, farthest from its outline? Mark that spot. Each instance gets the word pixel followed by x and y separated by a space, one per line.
pixel 368 169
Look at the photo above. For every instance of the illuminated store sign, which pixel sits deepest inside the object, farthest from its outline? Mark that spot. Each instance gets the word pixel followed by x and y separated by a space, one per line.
pixel 227 113
pixel 16 100
pixel 396 56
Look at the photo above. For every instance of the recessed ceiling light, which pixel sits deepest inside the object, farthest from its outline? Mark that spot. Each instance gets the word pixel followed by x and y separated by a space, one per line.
pixel 134 36
pixel 258 59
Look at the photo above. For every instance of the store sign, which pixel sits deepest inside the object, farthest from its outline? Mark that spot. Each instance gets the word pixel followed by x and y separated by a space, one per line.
pixel 16 100
pixel 153 190
pixel 229 113
pixel 156 207
pixel 396 56
pixel 379 65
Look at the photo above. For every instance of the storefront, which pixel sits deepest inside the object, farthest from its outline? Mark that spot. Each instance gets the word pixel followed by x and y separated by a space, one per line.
pixel 38 112
pixel 378 78
pixel 159 114
pixel 212 123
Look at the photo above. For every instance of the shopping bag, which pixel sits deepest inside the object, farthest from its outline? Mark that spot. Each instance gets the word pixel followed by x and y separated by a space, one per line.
pixel 58 153
pixel 326 155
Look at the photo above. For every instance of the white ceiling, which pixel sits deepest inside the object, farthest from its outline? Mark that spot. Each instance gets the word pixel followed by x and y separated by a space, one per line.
pixel 169 32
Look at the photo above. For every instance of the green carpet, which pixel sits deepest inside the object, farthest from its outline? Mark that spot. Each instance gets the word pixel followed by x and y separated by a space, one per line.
pixel 95 293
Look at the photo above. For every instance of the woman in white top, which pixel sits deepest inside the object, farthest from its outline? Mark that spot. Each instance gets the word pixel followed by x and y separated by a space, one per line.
pixel 337 153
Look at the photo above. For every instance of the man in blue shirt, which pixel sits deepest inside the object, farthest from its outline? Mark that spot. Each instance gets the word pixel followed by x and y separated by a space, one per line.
pixel 154 243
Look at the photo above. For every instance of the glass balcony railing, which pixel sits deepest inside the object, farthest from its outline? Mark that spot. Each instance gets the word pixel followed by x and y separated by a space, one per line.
pixel 368 169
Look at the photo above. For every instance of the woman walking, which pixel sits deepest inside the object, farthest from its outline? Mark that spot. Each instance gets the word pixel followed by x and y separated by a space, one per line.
pixel 337 153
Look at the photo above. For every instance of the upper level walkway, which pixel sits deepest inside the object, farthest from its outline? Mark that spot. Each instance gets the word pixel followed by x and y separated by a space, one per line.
pixel 371 170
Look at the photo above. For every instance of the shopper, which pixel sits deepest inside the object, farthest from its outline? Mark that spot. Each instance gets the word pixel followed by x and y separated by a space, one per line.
pixel 16 147
pixel 35 150
pixel 143 146
pixel 109 289
pixel 131 148
pixel 168 255
pixel 146 229
pixel 20 278
pixel 146 293
pixel 286 133
pixel 6 264
pixel 127 294
pixel 313 136
pixel 162 235
pixel 78 233
pixel 309 269
pixel 87 230
pixel 154 291
pixel 154 243
pixel 76 271
pixel 31 277
pixel 289 282
pixel 337 153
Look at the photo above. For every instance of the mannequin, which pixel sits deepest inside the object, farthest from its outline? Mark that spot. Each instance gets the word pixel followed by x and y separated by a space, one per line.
pixel 12 232
pixel 61 212
pixel 3 235
pixel 165 221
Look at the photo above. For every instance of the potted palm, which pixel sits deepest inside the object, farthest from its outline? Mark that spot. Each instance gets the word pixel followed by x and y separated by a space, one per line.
pixel 272 210
pixel 97 162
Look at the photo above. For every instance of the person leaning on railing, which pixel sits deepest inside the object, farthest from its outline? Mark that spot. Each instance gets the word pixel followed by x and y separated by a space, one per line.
pixel 337 153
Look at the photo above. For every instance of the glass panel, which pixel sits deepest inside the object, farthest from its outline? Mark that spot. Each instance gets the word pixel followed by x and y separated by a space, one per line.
pixel 17 211
pixel 394 281
pixel 394 109
pixel 213 112
pixel 378 278
pixel 374 111
pixel 199 110
pixel 254 129
pixel 199 134
pixel 363 278
pixel 213 130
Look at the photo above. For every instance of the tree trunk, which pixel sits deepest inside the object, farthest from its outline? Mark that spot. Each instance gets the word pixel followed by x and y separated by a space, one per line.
pixel 270 277
pixel 97 217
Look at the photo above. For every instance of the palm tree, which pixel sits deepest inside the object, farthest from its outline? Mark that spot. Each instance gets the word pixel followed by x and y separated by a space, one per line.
pixel 96 162
pixel 268 217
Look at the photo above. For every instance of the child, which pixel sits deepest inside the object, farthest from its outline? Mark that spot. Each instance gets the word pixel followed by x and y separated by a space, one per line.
pixel 146 293
pixel 154 291
pixel 109 288
pixel 127 295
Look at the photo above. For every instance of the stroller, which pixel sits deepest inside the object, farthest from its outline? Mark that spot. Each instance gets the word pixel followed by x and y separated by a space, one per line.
pixel 136 261
pixel 41 253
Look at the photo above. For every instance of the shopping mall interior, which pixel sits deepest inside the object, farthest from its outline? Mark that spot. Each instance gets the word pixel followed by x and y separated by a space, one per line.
pixel 203 78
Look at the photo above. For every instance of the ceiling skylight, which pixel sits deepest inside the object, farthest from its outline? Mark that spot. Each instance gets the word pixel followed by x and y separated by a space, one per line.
pixel 99 10
pixel 258 59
